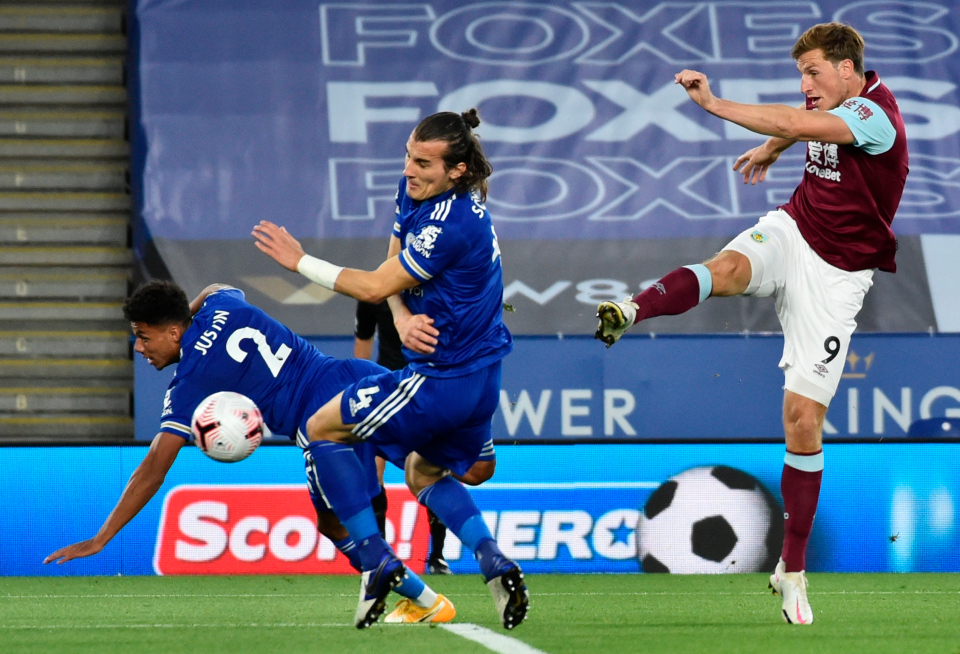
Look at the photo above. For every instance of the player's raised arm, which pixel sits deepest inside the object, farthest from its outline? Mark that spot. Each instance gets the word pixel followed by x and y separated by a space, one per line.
pixel 777 120
pixel 370 286
pixel 142 486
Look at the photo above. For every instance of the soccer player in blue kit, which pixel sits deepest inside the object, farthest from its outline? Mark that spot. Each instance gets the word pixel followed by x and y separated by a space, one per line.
pixel 445 260
pixel 222 343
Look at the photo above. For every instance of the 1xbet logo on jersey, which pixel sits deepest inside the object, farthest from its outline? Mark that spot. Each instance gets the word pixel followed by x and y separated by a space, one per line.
pixel 825 154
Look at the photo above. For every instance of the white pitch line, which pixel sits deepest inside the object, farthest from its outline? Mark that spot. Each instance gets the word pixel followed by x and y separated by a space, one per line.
pixel 539 594
pixel 490 639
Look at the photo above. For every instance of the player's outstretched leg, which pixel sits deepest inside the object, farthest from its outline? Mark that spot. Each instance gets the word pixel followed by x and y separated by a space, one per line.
pixel 675 293
pixel 454 506
pixel 615 319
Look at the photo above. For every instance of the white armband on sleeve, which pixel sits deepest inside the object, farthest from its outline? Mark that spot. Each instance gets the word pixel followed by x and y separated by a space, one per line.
pixel 319 271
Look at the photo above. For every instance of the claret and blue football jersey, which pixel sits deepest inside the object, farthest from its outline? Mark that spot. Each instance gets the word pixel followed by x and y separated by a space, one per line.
pixel 452 234
pixel 234 346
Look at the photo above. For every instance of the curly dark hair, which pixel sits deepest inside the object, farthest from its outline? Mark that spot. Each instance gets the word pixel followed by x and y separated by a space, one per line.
pixel 159 302
pixel 456 130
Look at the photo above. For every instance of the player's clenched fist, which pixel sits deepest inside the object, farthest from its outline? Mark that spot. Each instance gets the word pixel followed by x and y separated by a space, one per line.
pixel 696 86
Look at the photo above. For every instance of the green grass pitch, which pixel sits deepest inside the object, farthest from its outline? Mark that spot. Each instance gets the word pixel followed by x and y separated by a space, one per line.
pixel 902 614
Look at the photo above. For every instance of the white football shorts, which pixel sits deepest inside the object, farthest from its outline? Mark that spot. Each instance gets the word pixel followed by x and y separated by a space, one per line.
pixel 817 303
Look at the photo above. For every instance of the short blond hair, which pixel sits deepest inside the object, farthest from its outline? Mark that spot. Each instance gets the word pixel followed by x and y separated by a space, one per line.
pixel 836 40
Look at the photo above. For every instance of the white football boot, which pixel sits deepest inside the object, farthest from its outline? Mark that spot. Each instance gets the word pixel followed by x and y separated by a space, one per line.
pixel 778 573
pixel 375 585
pixel 615 319
pixel 792 586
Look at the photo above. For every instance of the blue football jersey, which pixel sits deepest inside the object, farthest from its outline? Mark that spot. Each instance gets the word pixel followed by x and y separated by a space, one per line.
pixel 234 346
pixel 449 245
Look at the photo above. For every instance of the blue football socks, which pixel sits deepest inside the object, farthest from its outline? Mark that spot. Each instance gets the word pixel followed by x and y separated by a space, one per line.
pixel 349 549
pixel 455 507
pixel 338 471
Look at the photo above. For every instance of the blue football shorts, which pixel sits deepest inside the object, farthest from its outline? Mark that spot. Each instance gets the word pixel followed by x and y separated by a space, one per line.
pixel 444 419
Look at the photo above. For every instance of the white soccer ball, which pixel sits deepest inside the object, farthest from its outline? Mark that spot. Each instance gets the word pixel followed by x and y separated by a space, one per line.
pixel 710 520
pixel 227 426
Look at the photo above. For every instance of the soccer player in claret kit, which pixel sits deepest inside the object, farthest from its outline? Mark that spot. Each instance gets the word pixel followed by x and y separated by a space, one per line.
pixel 445 260
pixel 222 343
pixel 816 254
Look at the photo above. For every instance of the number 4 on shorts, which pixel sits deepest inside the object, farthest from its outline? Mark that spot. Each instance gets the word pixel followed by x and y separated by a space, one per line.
pixel 366 398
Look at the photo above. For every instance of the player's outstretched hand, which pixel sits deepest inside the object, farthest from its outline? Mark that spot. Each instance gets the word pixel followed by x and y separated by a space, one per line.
pixel 75 551
pixel 418 333
pixel 278 244
pixel 697 87
pixel 755 163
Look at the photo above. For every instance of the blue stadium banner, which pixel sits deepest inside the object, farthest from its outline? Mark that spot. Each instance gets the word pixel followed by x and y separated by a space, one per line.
pixel 300 110
pixel 606 175
pixel 571 509
pixel 684 388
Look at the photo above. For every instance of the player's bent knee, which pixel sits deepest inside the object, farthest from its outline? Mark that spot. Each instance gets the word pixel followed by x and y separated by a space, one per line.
pixel 315 430
pixel 731 272
pixel 420 473
pixel 479 472
pixel 319 429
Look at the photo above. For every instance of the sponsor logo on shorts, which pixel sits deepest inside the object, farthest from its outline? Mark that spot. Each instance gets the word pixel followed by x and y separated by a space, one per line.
pixel 759 237
pixel 821 370
pixel 268 529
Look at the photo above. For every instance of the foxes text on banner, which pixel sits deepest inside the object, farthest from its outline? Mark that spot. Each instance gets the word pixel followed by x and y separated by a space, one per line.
pixel 298 112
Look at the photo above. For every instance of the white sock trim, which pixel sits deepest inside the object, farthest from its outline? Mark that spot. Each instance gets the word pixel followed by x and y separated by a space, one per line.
pixel 427 598
pixel 804 462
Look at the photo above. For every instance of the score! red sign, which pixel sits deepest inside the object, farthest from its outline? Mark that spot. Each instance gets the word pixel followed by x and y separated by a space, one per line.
pixel 268 529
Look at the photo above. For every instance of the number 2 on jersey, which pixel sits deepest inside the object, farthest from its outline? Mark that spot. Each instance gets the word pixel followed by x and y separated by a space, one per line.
pixel 274 360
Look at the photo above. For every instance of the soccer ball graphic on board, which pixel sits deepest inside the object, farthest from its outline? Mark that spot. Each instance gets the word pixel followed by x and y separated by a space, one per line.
pixel 710 520
pixel 227 426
